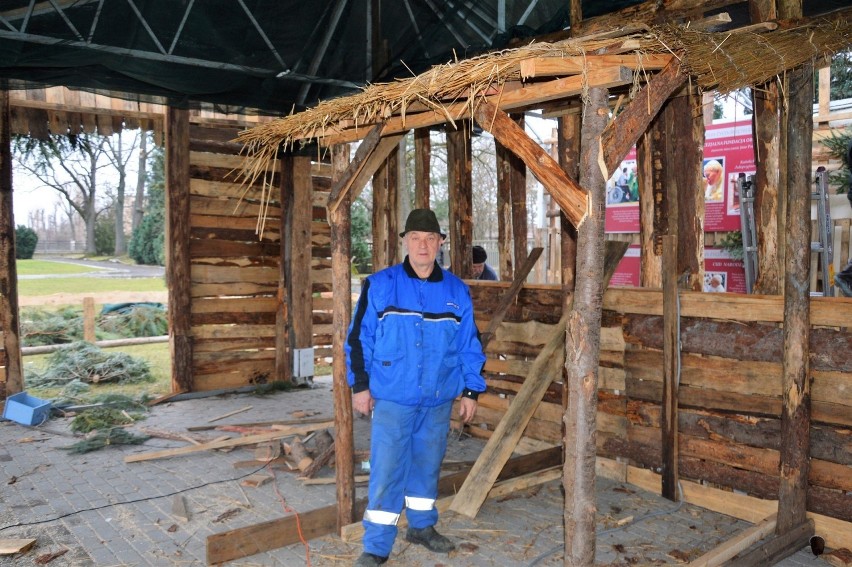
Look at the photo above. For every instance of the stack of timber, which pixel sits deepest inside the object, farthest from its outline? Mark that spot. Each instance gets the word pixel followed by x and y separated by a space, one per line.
pixel 730 386
pixel 235 254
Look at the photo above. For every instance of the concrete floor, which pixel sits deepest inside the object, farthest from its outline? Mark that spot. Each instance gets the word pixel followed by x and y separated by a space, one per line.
pixel 106 512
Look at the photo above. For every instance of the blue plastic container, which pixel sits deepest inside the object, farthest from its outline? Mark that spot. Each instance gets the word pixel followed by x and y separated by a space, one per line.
pixel 26 409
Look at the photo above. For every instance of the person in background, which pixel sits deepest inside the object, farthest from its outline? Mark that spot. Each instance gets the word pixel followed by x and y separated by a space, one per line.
pixel 413 348
pixel 713 179
pixel 480 270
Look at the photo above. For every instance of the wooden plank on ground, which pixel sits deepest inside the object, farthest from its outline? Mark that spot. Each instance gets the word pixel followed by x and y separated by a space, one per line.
pixel 778 547
pixel 743 540
pixel 247 440
pixel 12 546
pixel 229 414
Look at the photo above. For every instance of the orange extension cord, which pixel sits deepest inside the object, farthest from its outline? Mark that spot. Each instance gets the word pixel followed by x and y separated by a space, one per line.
pixel 288 509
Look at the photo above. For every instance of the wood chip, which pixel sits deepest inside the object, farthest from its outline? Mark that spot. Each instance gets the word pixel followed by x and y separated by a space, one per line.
pixel 229 414
pixel 227 514
pixel 48 557
pixel 179 507
pixel 13 546
pixel 257 479
pixel 838 558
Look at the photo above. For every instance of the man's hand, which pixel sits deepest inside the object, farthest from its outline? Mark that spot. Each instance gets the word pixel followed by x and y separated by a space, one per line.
pixel 467 409
pixel 363 402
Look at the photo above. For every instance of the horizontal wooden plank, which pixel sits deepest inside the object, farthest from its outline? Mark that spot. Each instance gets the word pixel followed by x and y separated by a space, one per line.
pixel 235 288
pixel 244 344
pixel 561 66
pixel 219 332
pixel 233 249
pixel 254 370
pixel 234 274
pixel 235 305
pixel 232 208
pixel 227 357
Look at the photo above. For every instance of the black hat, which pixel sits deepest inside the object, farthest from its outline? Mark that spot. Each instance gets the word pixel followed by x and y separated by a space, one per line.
pixel 422 220
pixel 479 255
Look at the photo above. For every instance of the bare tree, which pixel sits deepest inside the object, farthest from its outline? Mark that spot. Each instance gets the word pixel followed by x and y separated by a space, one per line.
pixel 69 165
pixel 119 155
pixel 141 178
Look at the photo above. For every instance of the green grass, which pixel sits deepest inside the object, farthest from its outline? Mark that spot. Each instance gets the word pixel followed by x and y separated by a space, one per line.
pixel 47 267
pixel 88 285
pixel 158 358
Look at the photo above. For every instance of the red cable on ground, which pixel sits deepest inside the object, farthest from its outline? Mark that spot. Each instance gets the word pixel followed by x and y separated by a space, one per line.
pixel 287 508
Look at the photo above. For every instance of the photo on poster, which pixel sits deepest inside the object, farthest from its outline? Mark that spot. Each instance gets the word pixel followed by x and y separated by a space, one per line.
pixel 623 186
pixel 714 177
pixel 734 190
pixel 715 282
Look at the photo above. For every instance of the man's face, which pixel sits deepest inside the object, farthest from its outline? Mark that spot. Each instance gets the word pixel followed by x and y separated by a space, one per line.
pixel 422 249
pixel 476 269
pixel 712 175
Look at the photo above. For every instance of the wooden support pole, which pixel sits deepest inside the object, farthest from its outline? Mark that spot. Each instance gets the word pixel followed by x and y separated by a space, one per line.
pixel 582 345
pixel 422 168
pixel 766 131
pixel 341 281
pixel 178 265
pixel 380 218
pixel 9 314
pixel 796 384
pixel 649 172
pixel 89 320
pixel 296 188
pixel 511 207
pixel 568 142
pixel 671 370
pixel 392 207
pixel 459 177
pixel 509 296
pixel 570 196
pixel 622 133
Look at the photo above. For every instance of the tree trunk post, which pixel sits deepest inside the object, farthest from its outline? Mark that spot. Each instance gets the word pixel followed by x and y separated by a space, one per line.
pixel 9 314
pixel 459 176
pixel 341 278
pixel 582 346
pixel 671 349
pixel 796 394
pixel 649 172
pixel 392 208
pixel 422 167
pixel 519 203
pixel 178 268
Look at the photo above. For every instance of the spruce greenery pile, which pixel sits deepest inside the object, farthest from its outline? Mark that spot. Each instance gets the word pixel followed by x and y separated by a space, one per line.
pixel 41 327
pixel 137 321
pixel 101 438
pixel 89 364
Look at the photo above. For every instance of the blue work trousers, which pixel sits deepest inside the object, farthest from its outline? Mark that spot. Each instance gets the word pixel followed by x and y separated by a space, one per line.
pixel 406 449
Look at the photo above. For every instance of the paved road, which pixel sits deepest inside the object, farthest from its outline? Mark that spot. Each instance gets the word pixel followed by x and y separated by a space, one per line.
pixel 102 269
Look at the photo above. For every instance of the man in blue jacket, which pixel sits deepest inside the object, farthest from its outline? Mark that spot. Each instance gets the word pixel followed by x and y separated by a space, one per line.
pixel 413 348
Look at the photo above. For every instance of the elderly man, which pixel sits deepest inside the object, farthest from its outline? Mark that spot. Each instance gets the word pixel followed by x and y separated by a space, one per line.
pixel 412 349
pixel 481 270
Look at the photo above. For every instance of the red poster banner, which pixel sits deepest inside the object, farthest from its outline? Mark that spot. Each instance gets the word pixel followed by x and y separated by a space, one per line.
pixel 728 153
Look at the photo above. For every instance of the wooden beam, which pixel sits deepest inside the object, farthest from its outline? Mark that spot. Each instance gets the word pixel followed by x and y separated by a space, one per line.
pixel 422 167
pixel 178 272
pixel 647 171
pixel 777 548
pixel 257 538
pixel 9 312
pixel 518 189
pixel 562 66
pixel 671 370
pixel 570 197
pixel 341 279
pixel 511 207
pixel 392 206
pixel 796 384
pixel 283 356
pixel 279 433
pixel 621 134
pixel 568 145
pixel 509 296
pixel 527 97
pixel 740 542
pixel 460 181
pixel 352 181
pixel 379 224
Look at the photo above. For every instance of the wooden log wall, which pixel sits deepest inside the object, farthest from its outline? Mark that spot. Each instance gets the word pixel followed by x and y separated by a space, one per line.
pixel 235 273
pixel 730 385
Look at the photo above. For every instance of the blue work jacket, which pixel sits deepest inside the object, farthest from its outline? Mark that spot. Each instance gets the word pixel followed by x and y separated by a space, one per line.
pixel 414 341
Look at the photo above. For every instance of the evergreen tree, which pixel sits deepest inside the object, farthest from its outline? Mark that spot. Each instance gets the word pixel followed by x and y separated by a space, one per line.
pixel 26 240
pixel 147 244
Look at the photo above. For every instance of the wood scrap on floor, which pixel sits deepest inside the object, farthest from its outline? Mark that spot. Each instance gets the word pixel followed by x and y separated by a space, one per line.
pixel 46 558
pixel 229 414
pixel 331 480
pixel 257 479
pixel 179 509
pixel 13 546
pixel 838 558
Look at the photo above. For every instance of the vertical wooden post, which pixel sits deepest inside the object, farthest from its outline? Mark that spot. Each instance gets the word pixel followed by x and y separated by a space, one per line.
pixel 392 207
pixel 459 177
pixel 296 239
pixel 649 172
pixel 684 133
pixel 510 170
pixel 519 203
pixel 671 371
pixel 766 129
pixel 283 357
pixel 422 167
pixel 796 407
pixel 9 316
pixel 582 345
pixel 178 266
pixel 568 128
pixel 341 282
pixel 380 220
pixel 89 320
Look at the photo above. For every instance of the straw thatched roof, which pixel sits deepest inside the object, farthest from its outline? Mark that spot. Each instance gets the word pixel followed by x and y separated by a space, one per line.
pixel 716 61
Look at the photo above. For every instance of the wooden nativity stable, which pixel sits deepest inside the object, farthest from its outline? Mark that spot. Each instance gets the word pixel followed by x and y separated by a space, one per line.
pixel 738 403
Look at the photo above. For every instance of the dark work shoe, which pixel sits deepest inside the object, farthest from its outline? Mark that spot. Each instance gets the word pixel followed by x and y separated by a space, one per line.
pixel 430 539
pixel 369 560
